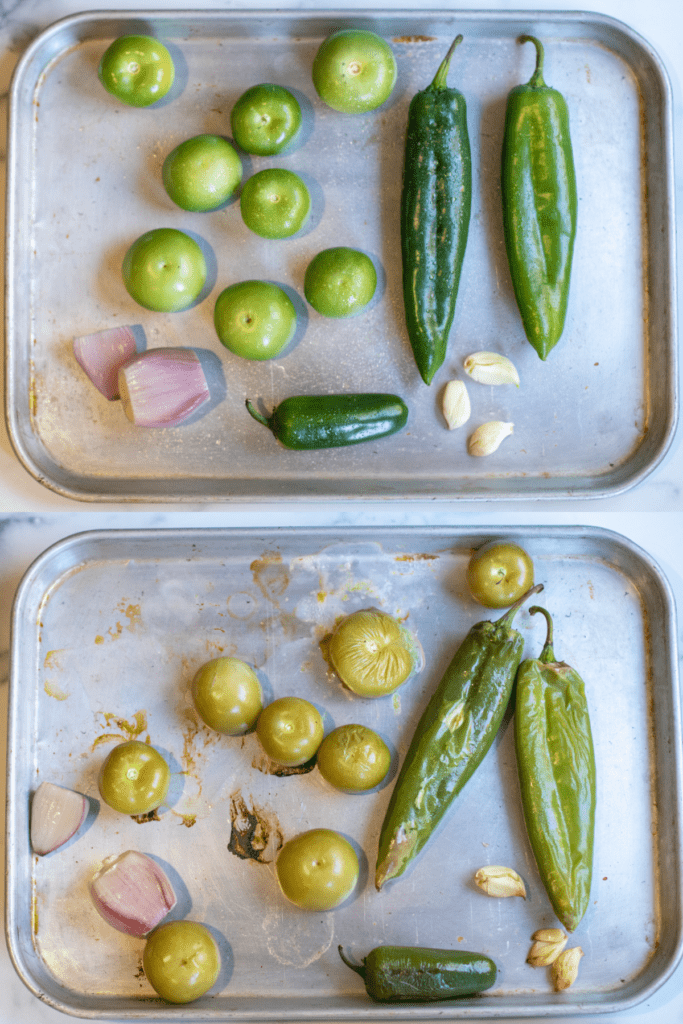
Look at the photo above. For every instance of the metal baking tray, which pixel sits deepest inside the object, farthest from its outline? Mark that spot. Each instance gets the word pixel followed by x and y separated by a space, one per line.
pixel 108 629
pixel 84 181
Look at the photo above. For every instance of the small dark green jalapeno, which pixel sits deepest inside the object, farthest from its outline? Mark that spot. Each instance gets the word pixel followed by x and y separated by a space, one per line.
pixel 412 974
pixel 556 765
pixel 452 738
pixel 435 215
pixel 305 422
pixel 539 205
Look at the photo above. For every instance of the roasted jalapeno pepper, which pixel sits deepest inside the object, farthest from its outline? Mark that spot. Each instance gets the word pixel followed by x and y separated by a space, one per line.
pixel 539 205
pixel 410 974
pixel 556 764
pixel 435 215
pixel 305 422
pixel 452 737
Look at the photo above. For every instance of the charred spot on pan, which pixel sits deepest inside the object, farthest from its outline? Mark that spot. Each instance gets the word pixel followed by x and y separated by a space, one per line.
pixel 255 834
pixel 268 767
pixel 149 816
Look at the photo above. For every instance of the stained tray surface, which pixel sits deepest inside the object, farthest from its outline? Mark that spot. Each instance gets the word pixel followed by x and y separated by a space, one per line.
pixel 108 631
pixel 85 181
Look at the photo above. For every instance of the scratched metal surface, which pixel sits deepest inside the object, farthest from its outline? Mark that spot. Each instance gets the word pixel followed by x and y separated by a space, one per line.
pixel 108 630
pixel 84 181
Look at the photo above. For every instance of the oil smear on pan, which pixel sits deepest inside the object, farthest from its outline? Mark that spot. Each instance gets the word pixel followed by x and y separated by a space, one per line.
pixel 298 940
pixel 254 833
pixel 270 575
pixel 127 729
pixel 53 663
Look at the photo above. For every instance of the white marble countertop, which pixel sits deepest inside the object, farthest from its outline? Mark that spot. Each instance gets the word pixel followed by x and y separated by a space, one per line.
pixel 32 517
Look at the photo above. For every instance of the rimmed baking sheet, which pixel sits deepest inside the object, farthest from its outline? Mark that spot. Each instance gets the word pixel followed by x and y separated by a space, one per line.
pixel 84 180
pixel 108 630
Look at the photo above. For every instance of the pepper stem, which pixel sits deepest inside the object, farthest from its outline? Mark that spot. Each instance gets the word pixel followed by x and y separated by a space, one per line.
pixel 536 80
pixel 354 967
pixel 506 620
pixel 441 75
pixel 256 414
pixel 547 655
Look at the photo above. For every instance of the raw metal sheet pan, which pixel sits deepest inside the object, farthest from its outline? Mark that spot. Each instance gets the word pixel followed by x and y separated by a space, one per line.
pixel 84 181
pixel 108 629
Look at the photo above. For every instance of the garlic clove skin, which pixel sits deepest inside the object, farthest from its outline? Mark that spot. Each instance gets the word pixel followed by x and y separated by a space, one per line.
pixel 496 880
pixel 456 404
pixel 56 815
pixel 491 368
pixel 162 387
pixel 488 437
pixel 101 355
pixel 565 969
pixel 132 893
pixel 547 946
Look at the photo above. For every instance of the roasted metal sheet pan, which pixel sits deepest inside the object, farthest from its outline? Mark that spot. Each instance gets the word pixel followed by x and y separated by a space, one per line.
pixel 108 630
pixel 84 181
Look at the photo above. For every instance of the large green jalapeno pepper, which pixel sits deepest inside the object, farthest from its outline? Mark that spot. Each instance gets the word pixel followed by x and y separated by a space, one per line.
pixel 539 205
pixel 556 764
pixel 411 974
pixel 452 737
pixel 435 215
pixel 305 422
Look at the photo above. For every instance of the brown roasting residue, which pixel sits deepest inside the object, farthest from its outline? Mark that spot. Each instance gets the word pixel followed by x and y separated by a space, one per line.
pixel 255 834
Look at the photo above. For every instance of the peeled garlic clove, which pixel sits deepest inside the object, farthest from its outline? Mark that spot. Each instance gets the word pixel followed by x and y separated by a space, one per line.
pixel 56 815
pixel 162 387
pixel 101 355
pixel 565 970
pixel 488 437
pixel 496 880
pixel 491 368
pixel 456 404
pixel 132 893
pixel 548 944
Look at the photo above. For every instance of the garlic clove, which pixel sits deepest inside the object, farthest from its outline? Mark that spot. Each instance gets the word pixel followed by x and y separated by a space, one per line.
pixel 565 969
pixel 491 368
pixel 56 815
pixel 488 437
pixel 101 355
pixel 496 880
pixel 162 387
pixel 548 944
pixel 132 893
pixel 456 404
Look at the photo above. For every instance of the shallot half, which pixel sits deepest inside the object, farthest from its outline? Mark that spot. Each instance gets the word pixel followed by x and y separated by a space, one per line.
pixel 162 387
pixel 56 815
pixel 132 893
pixel 101 356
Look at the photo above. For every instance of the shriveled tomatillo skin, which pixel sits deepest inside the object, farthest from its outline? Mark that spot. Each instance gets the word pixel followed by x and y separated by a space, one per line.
pixel 435 215
pixel 539 205
pixel 412 974
pixel 451 740
pixel 556 765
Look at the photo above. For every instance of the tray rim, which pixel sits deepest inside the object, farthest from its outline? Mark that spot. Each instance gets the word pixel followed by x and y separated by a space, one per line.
pixel 70 548
pixel 152 489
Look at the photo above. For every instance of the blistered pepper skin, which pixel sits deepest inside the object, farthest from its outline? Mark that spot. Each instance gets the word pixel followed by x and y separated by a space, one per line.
pixel 539 205
pixel 413 974
pixel 556 766
pixel 436 201
pixel 451 740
